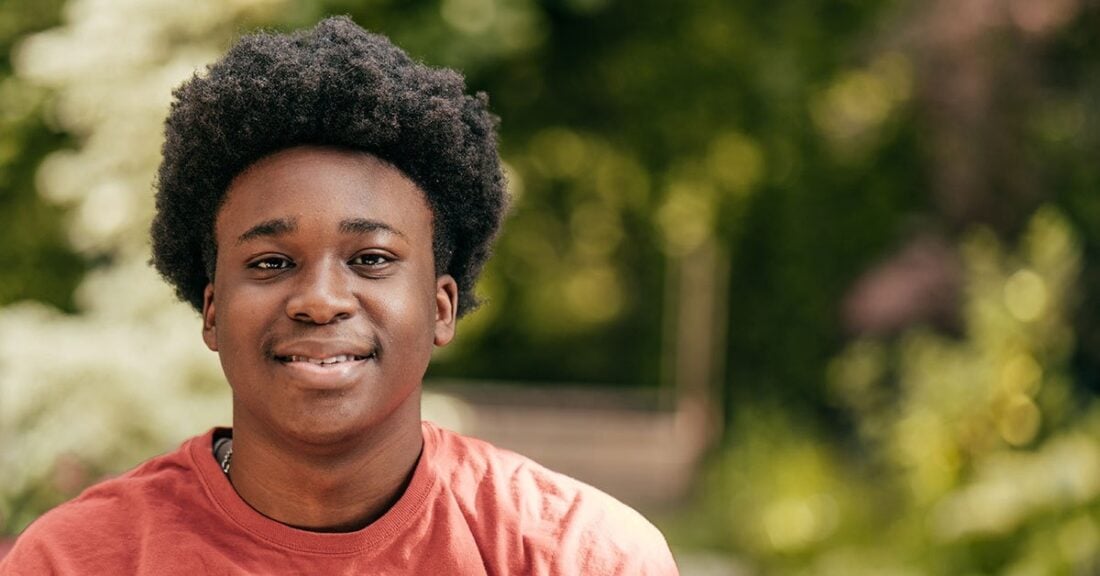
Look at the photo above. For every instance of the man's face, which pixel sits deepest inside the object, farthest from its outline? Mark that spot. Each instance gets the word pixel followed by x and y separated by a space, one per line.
pixel 325 304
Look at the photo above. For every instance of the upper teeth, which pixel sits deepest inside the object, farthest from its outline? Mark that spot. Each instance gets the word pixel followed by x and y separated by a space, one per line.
pixel 329 360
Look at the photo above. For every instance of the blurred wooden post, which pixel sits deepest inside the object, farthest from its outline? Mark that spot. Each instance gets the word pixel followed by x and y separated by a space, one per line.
pixel 644 453
pixel 695 340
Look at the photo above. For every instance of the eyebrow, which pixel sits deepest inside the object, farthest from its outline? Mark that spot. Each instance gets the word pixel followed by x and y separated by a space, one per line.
pixel 273 227
pixel 366 226
pixel 280 226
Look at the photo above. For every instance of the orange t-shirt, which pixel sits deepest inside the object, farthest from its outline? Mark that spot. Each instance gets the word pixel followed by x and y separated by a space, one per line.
pixel 469 509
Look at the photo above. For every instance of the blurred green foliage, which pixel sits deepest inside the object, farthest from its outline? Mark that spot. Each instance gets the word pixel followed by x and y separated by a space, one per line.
pixel 970 456
pixel 34 254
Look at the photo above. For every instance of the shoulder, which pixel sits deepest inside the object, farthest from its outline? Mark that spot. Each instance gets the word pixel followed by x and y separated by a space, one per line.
pixel 557 517
pixel 99 520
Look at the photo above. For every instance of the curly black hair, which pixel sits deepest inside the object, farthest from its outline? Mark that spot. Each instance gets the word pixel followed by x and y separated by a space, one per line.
pixel 334 85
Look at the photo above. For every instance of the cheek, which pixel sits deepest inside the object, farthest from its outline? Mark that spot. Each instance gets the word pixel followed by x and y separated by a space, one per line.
pixel 410 312
pixel 403 312
pixel 241 317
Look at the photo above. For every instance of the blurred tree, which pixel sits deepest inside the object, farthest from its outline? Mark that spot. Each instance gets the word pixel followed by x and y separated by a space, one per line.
pixel 32 239
pixel 1064 137
pixel 970 456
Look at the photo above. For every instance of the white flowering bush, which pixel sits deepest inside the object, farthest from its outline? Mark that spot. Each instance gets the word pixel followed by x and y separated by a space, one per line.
pixel 92 393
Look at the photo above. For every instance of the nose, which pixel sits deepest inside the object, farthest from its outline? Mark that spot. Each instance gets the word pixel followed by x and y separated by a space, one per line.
pixel 322 294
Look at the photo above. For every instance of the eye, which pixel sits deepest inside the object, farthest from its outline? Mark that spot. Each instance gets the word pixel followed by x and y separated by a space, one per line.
pixel 271 263
pixel 371 259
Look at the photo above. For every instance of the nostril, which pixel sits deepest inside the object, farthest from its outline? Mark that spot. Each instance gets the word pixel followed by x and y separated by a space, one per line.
pixel 320 316
pixel 321 297
pixel 320 311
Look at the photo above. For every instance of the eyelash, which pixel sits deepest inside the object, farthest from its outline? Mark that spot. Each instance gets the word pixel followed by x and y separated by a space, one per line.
pixel 266 263
pixel 371 260
pixel 278 263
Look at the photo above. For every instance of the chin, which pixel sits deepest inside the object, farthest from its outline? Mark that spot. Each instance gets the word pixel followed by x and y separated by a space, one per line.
pixel 322 434
pixel 341 424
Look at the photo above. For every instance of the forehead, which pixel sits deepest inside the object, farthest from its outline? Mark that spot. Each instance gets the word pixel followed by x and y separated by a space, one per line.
pixel 318 184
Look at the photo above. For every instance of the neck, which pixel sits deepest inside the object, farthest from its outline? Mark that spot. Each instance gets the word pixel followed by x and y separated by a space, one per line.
pixel 331 488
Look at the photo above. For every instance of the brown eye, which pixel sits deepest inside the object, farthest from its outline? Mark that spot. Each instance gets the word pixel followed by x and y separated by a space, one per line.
pixel 373 260
pixel 271 263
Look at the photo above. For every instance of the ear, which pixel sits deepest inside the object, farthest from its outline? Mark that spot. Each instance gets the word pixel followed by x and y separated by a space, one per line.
pixel 209 327
pixel 446 309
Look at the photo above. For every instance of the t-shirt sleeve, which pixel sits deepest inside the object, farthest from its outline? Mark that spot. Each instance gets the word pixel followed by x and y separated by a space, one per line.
pixel 622 543
pixel 31 555
pixel 526 519
pixel 587 532
pixel 74 538
pixel 21 560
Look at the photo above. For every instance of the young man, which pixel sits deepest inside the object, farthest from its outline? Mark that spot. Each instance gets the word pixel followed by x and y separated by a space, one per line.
pixel 327 204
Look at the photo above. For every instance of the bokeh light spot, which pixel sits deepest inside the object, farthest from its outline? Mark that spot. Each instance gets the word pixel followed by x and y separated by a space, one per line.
pixel 1021 375
pixel 469 16
pixel 1019 423
pixel 594 295
pixel 1025 295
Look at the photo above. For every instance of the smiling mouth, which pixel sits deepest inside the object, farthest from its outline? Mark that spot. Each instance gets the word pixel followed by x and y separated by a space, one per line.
pixel 327 361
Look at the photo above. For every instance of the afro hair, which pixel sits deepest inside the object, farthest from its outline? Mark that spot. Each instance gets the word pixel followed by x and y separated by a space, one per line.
pixel 334 85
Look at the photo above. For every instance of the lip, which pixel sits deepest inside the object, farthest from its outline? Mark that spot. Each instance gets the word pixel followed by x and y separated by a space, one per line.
pixel 319 349
pixel 324 364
